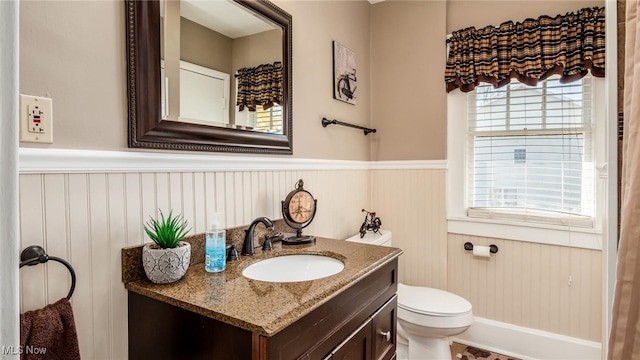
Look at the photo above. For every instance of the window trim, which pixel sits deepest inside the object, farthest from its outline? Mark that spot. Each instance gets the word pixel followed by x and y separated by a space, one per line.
pixel 457 217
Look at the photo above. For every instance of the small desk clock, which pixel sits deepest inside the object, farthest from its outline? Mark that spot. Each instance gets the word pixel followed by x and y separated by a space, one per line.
pixel 298 210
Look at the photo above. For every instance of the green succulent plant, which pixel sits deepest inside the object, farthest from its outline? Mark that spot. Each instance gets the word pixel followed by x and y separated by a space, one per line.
pixel 167 232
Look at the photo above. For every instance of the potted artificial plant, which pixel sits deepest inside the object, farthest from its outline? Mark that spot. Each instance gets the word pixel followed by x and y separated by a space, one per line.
pixel 166 259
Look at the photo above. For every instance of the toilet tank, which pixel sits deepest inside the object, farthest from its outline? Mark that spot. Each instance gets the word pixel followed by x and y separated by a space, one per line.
pixel 382 237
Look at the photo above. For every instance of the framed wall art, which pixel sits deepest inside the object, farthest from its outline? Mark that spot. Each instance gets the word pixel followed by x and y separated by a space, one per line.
pixel 344 74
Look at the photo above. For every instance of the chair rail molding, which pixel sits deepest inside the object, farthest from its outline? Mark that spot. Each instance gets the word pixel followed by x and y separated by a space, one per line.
pixel 46 160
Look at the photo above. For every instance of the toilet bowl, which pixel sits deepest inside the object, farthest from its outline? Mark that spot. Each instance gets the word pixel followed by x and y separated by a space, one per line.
pixel 426 317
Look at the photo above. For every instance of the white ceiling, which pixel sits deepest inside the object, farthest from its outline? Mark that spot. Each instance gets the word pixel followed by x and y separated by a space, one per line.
pixel 223 16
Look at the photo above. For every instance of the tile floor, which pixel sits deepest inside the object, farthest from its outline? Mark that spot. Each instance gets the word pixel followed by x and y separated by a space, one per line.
pixel 464 352
pixel 460 352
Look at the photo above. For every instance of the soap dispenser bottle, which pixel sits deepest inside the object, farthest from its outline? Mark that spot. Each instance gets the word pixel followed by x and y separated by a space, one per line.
pixel 215 246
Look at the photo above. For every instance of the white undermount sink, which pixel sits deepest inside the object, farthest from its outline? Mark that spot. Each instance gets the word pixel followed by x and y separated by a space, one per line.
pixel 293 268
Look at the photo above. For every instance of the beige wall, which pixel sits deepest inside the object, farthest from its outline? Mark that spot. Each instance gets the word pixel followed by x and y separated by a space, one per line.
pixel 256 49
pixel 315 25
pixel 85 71
pixel 80 62
pixel 204 47
pixel 408 59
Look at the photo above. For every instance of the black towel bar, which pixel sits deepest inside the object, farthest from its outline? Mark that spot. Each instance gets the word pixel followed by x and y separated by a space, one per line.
pixel 326 122
pixel 35 254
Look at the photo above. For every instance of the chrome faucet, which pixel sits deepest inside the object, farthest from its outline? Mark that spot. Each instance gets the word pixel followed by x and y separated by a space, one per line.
pixel 247 246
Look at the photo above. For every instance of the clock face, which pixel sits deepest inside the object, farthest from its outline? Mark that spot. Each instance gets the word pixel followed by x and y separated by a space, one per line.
pixel 301 207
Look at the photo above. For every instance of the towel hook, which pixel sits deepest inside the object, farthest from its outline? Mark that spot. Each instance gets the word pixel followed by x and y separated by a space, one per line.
pixel 35 254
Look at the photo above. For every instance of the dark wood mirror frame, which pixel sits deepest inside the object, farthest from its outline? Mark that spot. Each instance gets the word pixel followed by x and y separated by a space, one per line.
pixel 146 127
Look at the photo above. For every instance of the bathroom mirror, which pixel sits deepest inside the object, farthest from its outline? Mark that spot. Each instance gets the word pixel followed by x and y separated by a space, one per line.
pixel 154 121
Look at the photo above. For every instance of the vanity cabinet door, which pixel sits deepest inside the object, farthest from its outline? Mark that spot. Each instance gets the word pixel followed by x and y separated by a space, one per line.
pixel 357 346
pixel 384 331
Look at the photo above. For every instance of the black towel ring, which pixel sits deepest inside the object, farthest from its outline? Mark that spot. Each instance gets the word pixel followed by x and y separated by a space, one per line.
pixel 35 254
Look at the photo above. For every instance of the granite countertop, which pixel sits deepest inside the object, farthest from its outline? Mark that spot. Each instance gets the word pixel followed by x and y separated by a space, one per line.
pixel 261 307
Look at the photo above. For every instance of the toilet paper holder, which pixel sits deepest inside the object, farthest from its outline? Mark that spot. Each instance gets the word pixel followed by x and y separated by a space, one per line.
pixel 492 248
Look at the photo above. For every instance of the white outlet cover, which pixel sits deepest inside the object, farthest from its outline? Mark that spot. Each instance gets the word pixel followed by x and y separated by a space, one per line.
pixel 42 128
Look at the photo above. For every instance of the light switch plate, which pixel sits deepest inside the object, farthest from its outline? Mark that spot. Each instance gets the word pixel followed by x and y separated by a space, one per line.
pixel 36 119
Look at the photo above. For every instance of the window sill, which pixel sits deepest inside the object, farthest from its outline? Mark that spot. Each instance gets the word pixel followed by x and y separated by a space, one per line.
pixel 537 233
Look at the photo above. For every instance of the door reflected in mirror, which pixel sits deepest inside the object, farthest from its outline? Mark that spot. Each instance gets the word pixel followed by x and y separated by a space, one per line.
pixel 227 61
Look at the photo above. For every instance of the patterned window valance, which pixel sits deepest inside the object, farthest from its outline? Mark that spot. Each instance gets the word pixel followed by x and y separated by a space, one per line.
pixel 529 51
pixel 260 85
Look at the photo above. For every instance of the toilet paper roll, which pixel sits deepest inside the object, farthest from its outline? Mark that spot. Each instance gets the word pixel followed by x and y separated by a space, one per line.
pixel 481 251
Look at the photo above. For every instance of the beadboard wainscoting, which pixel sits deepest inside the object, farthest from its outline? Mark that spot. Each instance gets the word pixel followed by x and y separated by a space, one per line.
pixel 551 288
pixel 412 203
pixel 87 218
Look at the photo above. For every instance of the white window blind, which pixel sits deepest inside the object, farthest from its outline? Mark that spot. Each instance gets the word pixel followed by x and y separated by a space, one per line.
pixel 530 153
pixel 269 120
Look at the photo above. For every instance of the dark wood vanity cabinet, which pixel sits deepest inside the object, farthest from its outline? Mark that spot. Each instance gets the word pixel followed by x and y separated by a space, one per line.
pixel 374 339
pixel 383 324
pixel 318 334
pixel 357 323
pixel 356 347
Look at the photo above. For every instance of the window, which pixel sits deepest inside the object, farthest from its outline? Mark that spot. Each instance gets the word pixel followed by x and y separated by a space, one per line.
pixel 530 152
pixel 528 156
pixel 269 120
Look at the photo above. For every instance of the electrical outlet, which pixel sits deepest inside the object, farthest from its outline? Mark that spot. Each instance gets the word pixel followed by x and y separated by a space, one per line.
pixel 36 119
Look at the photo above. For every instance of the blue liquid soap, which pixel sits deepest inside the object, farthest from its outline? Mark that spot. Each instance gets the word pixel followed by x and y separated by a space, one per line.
pixel 215 247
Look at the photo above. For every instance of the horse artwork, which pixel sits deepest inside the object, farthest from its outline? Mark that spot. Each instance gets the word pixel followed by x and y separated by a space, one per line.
pixel 344 74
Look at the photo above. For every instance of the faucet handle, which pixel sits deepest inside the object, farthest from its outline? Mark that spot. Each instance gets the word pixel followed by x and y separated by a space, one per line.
pixel 267 245
pixel 233 252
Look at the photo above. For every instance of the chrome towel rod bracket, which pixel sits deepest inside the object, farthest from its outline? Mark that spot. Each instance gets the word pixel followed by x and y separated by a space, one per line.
pixel 326 122
pixel 35 254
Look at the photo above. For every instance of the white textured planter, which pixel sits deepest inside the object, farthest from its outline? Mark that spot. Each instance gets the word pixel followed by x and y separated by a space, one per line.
pixel 164 266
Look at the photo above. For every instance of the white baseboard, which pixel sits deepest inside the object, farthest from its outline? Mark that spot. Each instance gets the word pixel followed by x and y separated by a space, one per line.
pixel 526 343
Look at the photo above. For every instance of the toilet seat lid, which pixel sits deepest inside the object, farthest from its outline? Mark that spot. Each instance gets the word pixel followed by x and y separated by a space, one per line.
pixel 430 301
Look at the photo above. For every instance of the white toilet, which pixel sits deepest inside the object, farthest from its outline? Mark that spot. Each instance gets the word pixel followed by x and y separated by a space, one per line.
pixel 426 316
